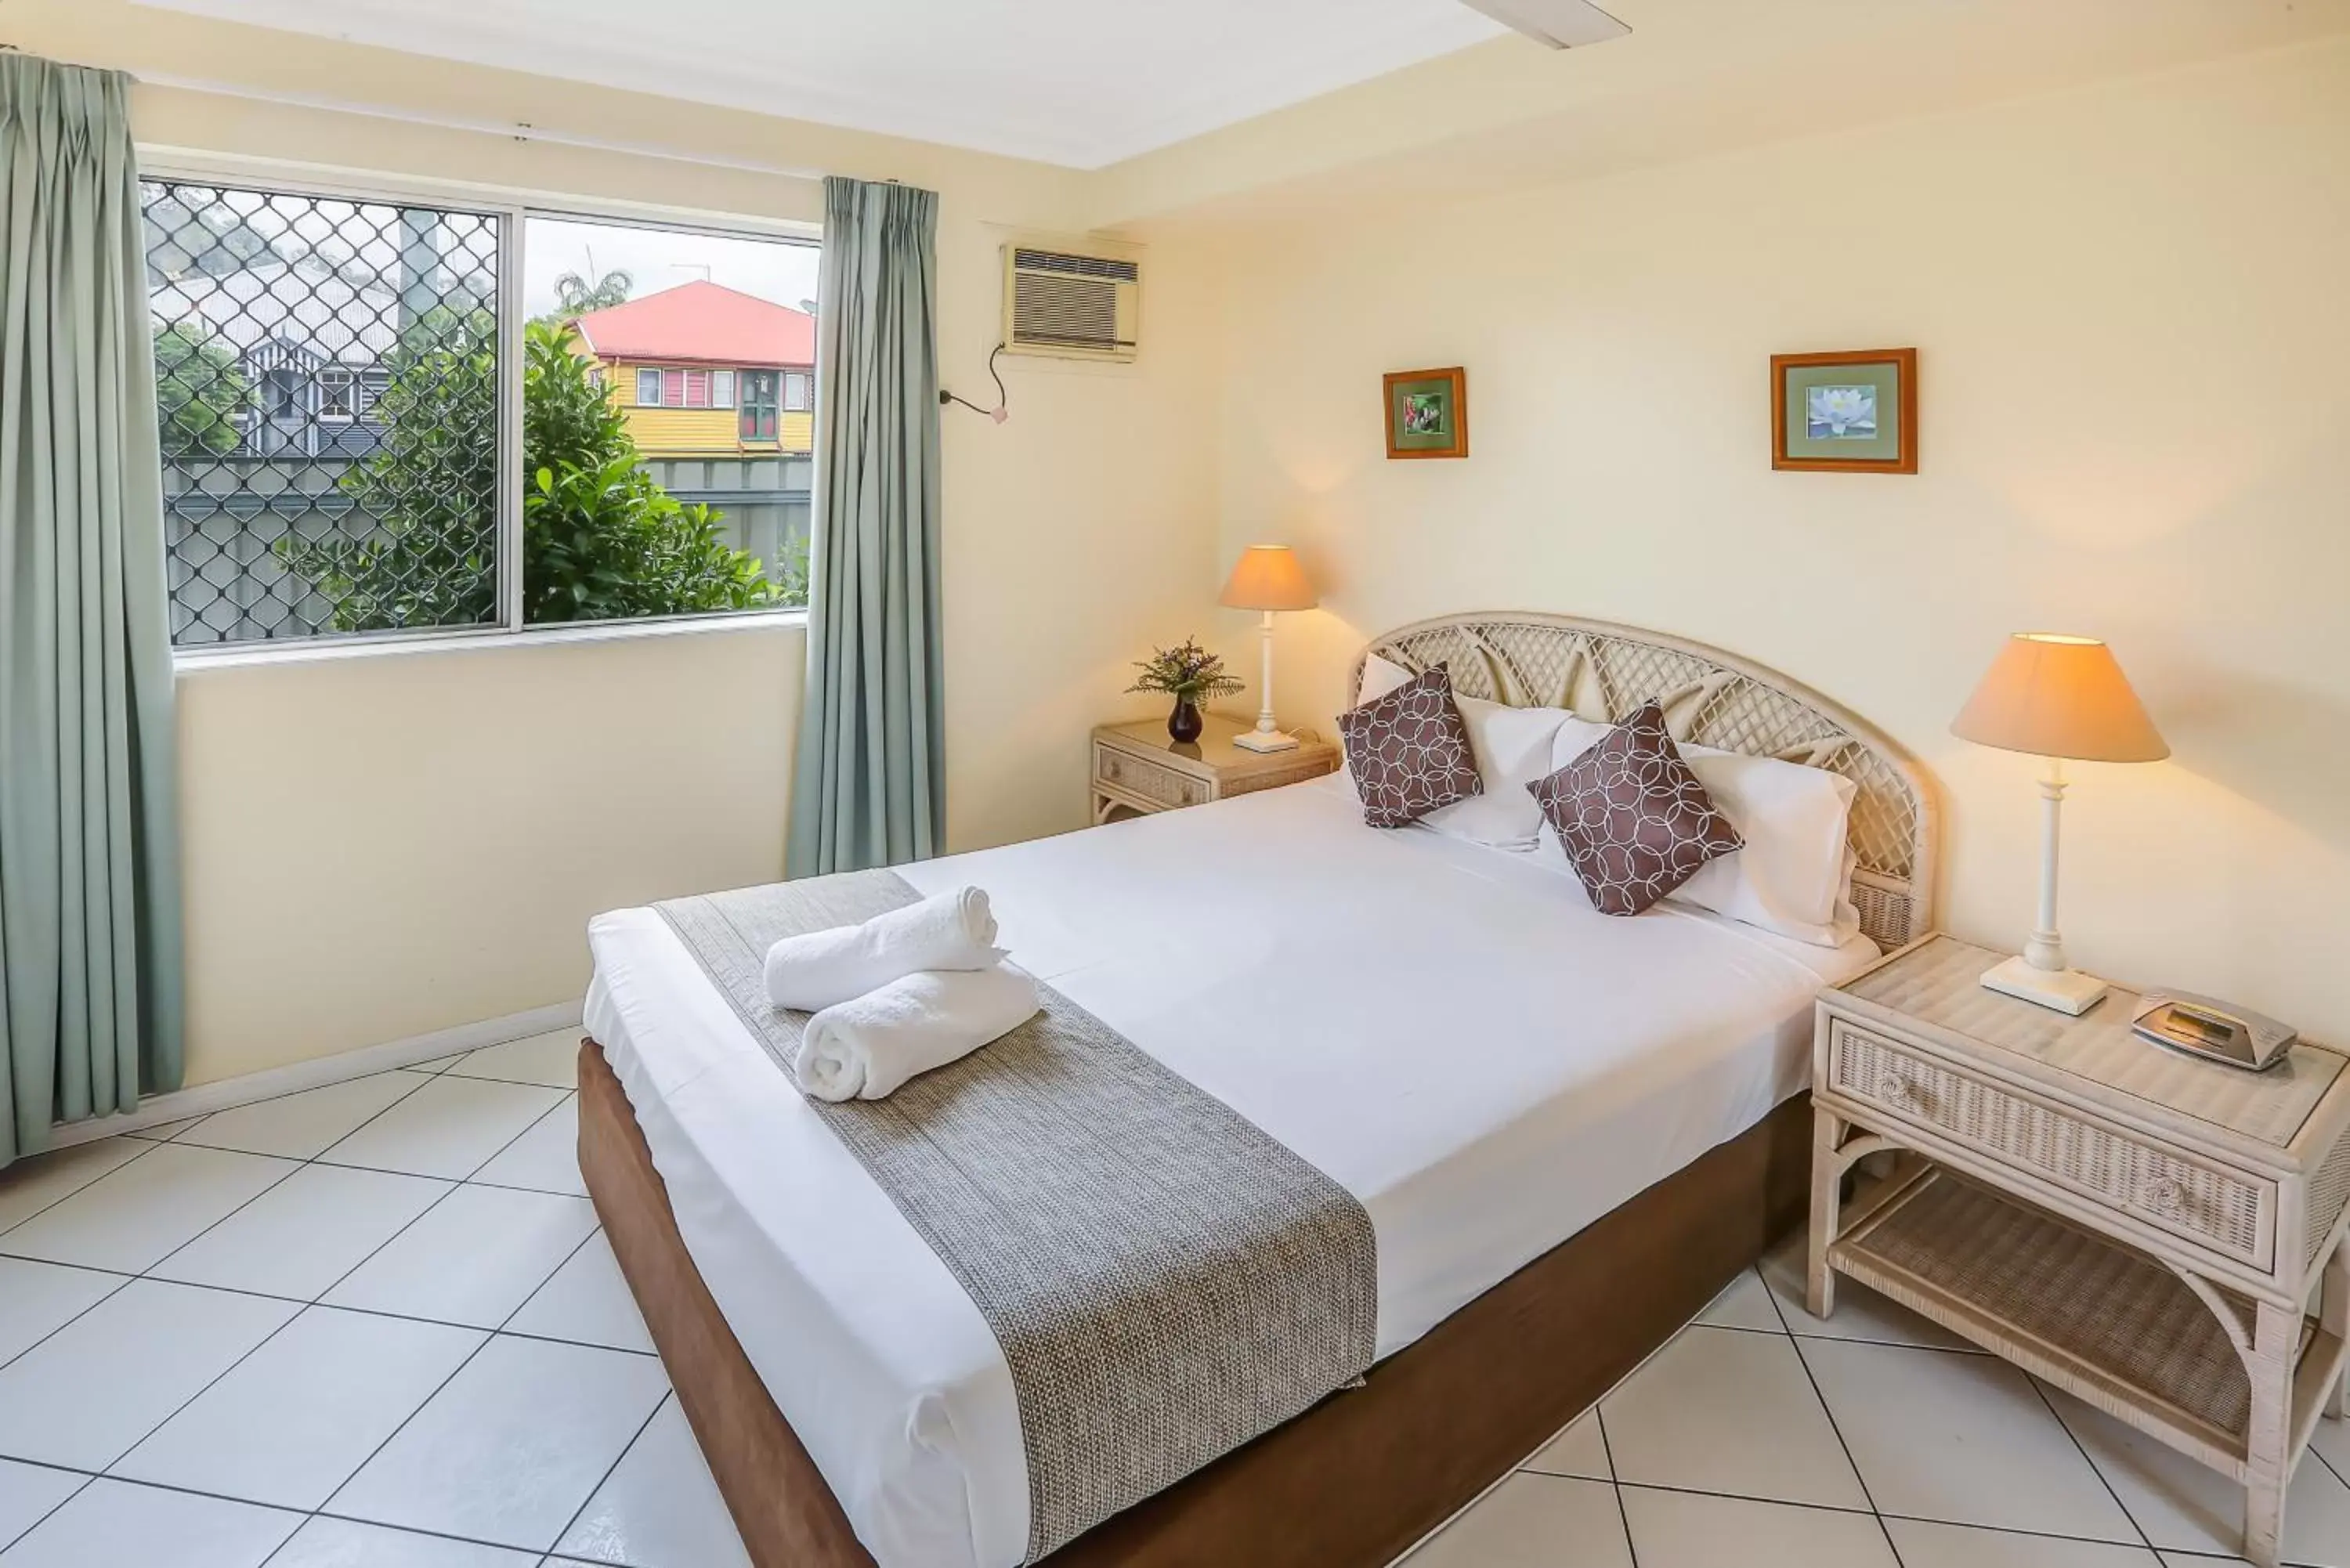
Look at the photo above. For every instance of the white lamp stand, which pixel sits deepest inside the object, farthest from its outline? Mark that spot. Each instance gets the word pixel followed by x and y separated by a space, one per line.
pixel 1267 736
pixel 2039 974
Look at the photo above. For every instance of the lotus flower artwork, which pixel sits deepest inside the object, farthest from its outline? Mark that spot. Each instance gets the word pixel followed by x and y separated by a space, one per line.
pixel 1841 414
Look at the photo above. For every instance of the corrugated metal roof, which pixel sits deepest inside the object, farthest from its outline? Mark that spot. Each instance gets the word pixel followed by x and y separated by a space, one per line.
pixel 703 322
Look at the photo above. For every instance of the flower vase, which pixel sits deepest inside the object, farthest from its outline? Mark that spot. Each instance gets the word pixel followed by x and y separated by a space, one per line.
pixel 1184 724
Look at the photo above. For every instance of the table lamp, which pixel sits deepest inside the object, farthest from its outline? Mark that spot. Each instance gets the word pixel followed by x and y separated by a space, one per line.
pixel 1268 578
pixel 2056 697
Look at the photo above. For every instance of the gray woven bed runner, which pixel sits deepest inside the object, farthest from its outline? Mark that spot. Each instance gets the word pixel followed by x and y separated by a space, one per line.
pixel 1166 1280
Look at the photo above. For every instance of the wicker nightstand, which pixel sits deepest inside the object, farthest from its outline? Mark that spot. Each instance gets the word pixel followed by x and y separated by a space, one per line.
pixel 2147 1231
pixel 1137 768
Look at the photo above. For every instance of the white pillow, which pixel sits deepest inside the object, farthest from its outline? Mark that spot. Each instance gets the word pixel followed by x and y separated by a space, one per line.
pixel 1795 876
pixel 1512 748
pixel 1380 676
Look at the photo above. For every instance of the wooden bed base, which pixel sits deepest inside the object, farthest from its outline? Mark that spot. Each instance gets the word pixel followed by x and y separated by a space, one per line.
pixel 1354 1482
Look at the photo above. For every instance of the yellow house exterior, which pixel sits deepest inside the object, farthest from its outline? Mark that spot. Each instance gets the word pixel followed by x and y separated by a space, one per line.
pixel 663 432
pixel 702 370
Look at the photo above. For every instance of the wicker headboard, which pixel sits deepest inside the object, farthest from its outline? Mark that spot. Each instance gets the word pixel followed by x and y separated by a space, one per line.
pixel 1713 699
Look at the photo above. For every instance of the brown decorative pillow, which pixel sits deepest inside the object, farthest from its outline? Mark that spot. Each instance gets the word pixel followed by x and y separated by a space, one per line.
pixel 1636 822
pixel 1408 751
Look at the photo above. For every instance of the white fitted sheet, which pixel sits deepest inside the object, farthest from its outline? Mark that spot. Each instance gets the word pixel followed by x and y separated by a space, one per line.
pixel 1448 1031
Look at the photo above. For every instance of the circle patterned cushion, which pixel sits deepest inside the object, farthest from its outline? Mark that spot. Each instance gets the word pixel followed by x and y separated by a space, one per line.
pixel 1408 751
pixel 1635 821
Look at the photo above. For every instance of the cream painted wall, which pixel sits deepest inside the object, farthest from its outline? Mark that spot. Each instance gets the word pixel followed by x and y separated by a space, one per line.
pixel 389 844
pixel 382 845
pixel 2128 302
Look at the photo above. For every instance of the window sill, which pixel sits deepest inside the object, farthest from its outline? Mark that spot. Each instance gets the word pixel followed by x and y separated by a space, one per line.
pixel 235 656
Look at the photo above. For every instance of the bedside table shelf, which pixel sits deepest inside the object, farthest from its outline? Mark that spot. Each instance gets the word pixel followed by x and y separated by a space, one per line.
pixel 2101 1320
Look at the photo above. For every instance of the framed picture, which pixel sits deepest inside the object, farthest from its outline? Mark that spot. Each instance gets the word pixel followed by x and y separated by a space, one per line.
pixel 1846 413
pixel 1427 413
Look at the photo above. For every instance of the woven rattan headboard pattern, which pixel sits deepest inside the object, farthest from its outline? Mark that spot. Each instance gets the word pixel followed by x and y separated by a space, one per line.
pixel 1712 699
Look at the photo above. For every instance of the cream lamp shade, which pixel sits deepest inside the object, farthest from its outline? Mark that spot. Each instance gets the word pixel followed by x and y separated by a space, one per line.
pixel 1268 577
pixel 2056 696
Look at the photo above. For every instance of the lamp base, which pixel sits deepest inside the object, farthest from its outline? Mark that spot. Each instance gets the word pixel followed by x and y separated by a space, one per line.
pixel 1264 741
pixel 2065 991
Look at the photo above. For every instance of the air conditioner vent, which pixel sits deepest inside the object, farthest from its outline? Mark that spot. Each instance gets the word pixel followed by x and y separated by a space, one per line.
pixel 1070 305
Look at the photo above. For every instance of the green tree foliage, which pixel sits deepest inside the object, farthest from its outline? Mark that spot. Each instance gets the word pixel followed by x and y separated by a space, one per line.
pixel 200 391
pixel 601 540
pixel 431 486
pixel 577 294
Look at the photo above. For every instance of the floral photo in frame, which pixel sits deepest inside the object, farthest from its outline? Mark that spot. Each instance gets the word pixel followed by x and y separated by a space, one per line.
pixel 1853 413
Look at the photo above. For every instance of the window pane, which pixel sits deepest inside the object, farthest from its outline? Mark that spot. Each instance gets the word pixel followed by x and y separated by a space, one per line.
pixel 328 380
pixel 795 392
pixel 649 388
pixel 717 516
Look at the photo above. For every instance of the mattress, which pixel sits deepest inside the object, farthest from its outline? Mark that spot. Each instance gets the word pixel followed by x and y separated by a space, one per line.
pixel 1448 1031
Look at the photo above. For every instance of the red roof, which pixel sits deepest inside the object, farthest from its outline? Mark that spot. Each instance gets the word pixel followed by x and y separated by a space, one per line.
pixel 701 321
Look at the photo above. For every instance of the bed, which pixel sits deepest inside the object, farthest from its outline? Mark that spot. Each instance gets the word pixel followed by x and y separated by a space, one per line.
pixel 1568 1131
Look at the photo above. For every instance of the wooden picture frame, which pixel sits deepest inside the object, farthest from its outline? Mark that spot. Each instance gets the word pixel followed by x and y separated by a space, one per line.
pixel 1859 390
pixel 1443 394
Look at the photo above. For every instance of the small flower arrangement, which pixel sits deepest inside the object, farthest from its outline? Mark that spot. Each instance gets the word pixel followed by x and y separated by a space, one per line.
pixel 1189 674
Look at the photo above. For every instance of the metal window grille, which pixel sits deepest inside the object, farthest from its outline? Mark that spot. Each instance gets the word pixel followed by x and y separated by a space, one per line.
pixel 328 381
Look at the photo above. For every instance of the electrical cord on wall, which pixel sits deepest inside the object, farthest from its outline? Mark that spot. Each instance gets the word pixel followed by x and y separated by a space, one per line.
pixel 1002 410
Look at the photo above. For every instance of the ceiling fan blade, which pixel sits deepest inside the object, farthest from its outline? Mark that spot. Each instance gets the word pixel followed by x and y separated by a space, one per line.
pixel 1557 24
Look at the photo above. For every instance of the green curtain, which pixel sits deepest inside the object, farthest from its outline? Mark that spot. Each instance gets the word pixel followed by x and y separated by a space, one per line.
pixel 89 895
pixel 870 783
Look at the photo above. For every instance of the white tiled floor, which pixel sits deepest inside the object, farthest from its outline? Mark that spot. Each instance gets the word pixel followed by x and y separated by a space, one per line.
pixel 373 1325
pixel 376 1327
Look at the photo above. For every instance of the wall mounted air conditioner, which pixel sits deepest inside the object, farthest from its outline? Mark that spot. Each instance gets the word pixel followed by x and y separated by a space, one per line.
pixel 1071 305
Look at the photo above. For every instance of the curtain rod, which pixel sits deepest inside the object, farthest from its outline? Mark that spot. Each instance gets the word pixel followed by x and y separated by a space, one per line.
pixel 518 130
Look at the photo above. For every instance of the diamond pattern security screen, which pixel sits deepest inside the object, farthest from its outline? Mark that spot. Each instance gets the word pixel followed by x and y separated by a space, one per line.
pixel 329 380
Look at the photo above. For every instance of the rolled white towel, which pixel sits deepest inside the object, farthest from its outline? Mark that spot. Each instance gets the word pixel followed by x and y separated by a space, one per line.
pixel 947 930
pixel 866 1047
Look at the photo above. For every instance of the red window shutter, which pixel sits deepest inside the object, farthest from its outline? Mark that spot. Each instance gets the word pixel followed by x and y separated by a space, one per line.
pixel 673 388
pixel 697 388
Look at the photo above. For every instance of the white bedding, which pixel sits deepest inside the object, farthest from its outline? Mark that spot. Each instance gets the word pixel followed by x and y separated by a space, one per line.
pixel 1450 1031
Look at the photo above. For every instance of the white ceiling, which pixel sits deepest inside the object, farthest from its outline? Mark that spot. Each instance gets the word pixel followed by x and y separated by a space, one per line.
pixel 1077 82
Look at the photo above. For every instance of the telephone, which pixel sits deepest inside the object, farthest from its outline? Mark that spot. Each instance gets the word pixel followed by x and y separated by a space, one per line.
pixel 2218 1030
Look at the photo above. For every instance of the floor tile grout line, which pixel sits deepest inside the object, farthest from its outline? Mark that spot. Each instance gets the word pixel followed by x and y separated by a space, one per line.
pixel 1892 1547
pixel 1829 1411
pixel 568 1096
pixel 2090 1460
pixel 337 1306
pixel 505 1323
pixel 299 1162
pixel 17 1225
pixel 251 1351
pixel 389 1437
pixel 125 1282
pixel 9 1543
pixel 605 1480
pixel 1858 1513
pixel 1623 1514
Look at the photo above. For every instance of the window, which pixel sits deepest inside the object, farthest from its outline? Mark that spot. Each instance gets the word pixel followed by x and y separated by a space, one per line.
pixel 340 384
pixel 795 392
pixel 337 396
pixel 758 405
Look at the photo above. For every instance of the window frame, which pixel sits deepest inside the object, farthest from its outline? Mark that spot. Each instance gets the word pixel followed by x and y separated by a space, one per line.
pixel 514 207
pixel 653 373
